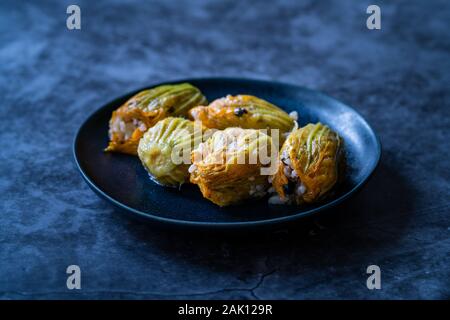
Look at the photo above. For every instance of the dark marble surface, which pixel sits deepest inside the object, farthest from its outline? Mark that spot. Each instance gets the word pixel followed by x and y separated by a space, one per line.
pixel 51 78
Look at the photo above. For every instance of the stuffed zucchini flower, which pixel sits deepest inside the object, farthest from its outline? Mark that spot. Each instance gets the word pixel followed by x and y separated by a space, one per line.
pixel 228 166
pixel 244 111
pixel 129 122
pixel 165 150
pixel 310 165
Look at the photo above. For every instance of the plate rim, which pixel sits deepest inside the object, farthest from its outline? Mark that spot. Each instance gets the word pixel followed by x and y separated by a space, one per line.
pixel 222 225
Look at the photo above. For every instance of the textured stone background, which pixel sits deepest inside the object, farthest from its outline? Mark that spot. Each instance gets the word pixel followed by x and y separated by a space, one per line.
pixel 51 78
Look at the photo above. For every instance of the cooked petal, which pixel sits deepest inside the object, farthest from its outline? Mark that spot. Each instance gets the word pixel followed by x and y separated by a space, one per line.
pixel 158 147
pixel 225 174
pixel 314 153
pixel 129 122
pixel 244 111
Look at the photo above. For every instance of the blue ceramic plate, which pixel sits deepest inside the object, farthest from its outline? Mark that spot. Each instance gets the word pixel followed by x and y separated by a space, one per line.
pixel 123 181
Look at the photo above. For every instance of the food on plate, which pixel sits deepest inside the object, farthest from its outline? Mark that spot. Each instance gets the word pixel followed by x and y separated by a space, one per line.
pixel 227 166
pixel 129 122
pixel 165 150
pixel 311 163
pixel 229 150
pixel 244 111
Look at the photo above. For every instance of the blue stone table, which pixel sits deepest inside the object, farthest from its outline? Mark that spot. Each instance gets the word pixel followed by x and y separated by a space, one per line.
pixel 52 78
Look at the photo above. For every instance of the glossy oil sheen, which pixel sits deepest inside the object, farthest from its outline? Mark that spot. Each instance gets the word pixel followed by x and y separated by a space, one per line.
pixel 122 180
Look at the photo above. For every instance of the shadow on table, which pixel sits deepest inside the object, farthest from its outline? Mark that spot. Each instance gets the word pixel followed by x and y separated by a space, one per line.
pixel 357 230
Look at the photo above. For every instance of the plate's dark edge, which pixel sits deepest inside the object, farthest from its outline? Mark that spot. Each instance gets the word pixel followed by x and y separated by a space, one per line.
pixel 225 225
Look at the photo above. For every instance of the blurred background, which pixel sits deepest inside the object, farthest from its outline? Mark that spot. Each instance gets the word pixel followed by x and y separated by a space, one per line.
pixel 52 78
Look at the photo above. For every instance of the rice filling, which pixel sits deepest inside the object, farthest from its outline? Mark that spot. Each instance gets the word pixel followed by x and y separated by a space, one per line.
pixel 125 129
pixel 294 188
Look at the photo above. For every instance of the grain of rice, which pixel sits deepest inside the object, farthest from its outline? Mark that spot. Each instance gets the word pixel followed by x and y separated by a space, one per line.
pixel 287 171
pixel 294 115
pixel 294 174
pixel 142 127
pixel 301 188
pixel 192 168
pixel 276 200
